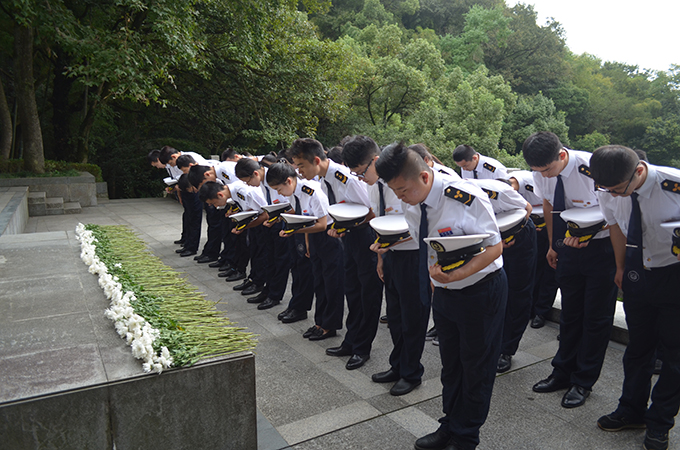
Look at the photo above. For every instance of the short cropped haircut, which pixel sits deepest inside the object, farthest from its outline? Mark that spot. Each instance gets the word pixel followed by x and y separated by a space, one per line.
pixel 542 148
pixel 165 154
pixel 613 164
pixel 335 154
pixel 209 191
pixel 279 172
pixel 308 149
pixel 196 175
pixel 398 160
pixel 183 182
pixel 463 153
pixel 359 150
pixel 245 167
pixel 641 154
pixel 424 152
pixel 153 156
pixel 228 154
pixel 268 160
pixel 184 161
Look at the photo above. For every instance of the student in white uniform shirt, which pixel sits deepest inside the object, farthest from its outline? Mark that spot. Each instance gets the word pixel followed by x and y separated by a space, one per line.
pixel 407 315
pixel 585 274
pixel 637 198
pixel 477 166
pixel 469 302
pixel 432 160
pixel 545 286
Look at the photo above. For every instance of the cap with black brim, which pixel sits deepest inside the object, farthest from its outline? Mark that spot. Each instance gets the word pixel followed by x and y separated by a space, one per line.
pixel 296 222
pixel 347 216
pixel 674 226
pixel 169 181
pixel 390 229
pixel 510 223
pixel 232 207
pixel 275 210
pixel 537 216
pixel 242 219
pixel 583 223
pixel 453 252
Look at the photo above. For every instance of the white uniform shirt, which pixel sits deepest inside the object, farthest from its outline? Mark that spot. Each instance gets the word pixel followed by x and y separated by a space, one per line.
pixel 249 198
pixel 392 206
pixel 445 170
pixel 579 188
pixel 313 201
pixel 656 206
pixel 198 158
pixel 346 187
pixel 273 195
pixel 503 197
pixel 449 217
pixel 487 168
pixel 174 171
pixel 225 172
pixel 525 179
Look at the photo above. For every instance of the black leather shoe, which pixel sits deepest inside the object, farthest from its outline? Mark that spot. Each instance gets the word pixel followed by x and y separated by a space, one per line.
pixel 387 376
pixel 179 250
pixel 339 351
pixel 215 264
pixel 283 313
pixel 179 242
pixel 617 422
pixel 235 276
pixel 226 267
pixel 310 331
pixel 655 440
pixel 252 289
pixel 576 396
pixel 550 384
pixel 537 322
pixel 434 441
pixel 383 319
pixel 403 387
pixel 293 316
pixel 226 273
pixel 504 362
pixel 186 253
pixel 356 361
pixel 321 334
pixel 241 286
pixel 269 303
pixel 205 259
pixel 259 298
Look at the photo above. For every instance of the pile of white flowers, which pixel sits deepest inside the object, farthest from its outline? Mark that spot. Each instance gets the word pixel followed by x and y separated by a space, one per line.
pixel 138 333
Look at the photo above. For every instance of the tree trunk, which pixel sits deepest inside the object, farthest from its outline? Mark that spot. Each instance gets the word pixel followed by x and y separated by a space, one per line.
pixel 34 156
pixel 61 110
pixel 83 149
pixel 5 125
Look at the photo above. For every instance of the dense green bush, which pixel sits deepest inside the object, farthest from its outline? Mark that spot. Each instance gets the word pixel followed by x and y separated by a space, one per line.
pixel 15 167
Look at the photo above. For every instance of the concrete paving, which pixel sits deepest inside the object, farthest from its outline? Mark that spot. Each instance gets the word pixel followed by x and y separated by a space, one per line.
pixel 308 400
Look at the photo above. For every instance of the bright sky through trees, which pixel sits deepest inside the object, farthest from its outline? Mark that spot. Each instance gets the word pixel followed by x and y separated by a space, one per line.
pixel 627 31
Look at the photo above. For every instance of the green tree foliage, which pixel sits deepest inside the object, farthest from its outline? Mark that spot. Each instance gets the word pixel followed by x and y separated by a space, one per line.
pixel 591 141
pixel 662 141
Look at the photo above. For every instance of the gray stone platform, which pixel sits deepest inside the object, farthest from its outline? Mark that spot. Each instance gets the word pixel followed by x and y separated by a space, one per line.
pixel 308 401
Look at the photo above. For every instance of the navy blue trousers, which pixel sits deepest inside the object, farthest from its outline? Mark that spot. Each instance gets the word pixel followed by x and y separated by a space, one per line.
pixel 327 264
pixel 302 287
pixel 260 254
pixel 586 279
pixel 653 320
pixel 214 218
pixel 277 266
pixel 228 253
pixel 470 328
pixel 407 316
pixel 191 220
pixel 363 290
pixel 545 287
pixel 518 260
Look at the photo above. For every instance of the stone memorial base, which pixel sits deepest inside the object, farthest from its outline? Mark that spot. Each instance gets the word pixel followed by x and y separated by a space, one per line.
pixel 67 380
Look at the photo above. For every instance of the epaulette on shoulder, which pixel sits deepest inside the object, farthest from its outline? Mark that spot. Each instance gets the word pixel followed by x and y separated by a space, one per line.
pixel 671 186
pixel 585 170
pixel 493 195
pixel 529 188
pixel 224 174
pixel 307 190
pixel 458 195
pixel 239 195
pixel 340 176
pixel 489 167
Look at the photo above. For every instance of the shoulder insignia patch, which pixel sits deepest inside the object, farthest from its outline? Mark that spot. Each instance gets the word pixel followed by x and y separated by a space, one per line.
pixel 443 171
pixel 493 195
pixel 458 195
pixel 489 167
pixel 224 174
pixel 529 188
pixel 307 190
pixel 585 170
pixel 240 196
pixel 341 176
pixel 671 186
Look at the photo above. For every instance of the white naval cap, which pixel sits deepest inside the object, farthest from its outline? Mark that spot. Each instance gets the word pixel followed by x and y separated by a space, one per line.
pixel 275 210
pixel 242 219
pixel 169 181
pixel 297 221
pixel 674 227
pixel 583 223
pixel 510 223
pixel 347 215
pixel 454 252
pixel 390 229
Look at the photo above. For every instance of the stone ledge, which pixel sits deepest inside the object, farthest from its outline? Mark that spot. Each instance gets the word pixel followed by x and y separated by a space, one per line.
pixel 82 189
pixel 13 209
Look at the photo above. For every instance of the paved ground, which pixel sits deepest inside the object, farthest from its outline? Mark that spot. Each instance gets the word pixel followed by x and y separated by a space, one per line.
pixel 309 401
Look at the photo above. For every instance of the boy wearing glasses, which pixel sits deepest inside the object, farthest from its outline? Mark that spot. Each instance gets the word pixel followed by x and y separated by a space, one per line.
pixel 636 198
pixel 363 288
pixel 584 272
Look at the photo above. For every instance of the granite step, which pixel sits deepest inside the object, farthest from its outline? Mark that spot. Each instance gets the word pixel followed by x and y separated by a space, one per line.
pixel 36 204
pixel 54 206
pixel 72 208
